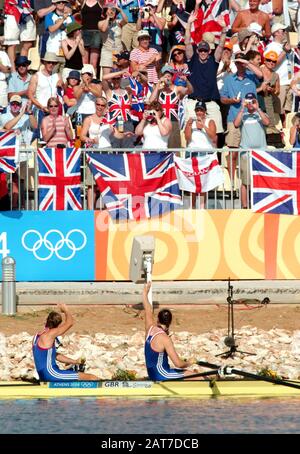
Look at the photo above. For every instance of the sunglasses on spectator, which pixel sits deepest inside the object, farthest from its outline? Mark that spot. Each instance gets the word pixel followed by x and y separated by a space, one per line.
pixel 53 105
pixel 270 61
pixel 15 103
pixel 177 53
pixel 203 50
pixel 101 105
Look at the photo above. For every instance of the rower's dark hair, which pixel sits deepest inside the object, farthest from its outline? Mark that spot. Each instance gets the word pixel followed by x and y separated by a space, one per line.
pixel 53 320
pixel 165 317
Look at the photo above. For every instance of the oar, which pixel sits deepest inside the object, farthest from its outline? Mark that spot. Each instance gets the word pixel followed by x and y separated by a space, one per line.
pixel 231 370
pixel 199 374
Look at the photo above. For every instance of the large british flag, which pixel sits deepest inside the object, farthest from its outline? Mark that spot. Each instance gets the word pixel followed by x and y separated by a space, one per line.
pixel 136 186
pixel 59 179
pixel 9 152
pixel 275 182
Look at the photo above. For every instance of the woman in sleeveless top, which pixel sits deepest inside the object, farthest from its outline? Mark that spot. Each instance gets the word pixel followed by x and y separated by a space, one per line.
pixel 56 129
pixel 154 127
pixel 73 49
pixel 201 133
pixel 91 14
pixel 159 346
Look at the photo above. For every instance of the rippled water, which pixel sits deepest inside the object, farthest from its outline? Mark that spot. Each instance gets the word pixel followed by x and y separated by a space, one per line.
pixel 157 416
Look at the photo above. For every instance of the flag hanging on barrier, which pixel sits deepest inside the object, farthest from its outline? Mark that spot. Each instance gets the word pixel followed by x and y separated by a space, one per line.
pixel 199 174
pixel 59 179
pixel 9 151
pixel 275 182
pixel 136 186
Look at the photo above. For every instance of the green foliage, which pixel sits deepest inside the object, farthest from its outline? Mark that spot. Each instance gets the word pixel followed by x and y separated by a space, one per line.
pixel 266 372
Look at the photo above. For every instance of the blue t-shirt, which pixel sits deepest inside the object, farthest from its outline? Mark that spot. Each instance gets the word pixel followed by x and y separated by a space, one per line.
pixel 17 84
pixel 132 18
pixel 233 85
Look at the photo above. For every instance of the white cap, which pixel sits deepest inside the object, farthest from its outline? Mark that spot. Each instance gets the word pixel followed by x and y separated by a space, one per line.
pixel 276 27
pixel 88 69
pixel 143 33
pixel 255 28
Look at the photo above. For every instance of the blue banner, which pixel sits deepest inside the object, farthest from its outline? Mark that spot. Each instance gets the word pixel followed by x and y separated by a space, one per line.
pixel 49 246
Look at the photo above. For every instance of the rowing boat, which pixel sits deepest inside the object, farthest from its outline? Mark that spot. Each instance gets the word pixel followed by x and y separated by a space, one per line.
pixel 203 388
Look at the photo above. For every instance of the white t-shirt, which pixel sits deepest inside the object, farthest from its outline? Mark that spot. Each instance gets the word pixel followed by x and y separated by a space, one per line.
pixel 221 76
pixel 284 70
pixel 5 62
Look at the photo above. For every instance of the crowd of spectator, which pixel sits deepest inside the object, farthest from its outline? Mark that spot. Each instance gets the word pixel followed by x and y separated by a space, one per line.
pixel 106 75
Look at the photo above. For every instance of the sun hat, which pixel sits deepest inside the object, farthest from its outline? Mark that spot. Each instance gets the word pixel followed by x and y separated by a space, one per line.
pixel 276 27
pixel 22 60
pixel 167 69
pixel 254 27
pixel 87 68
pixel 142 33
pixel 74 75
pixel 50 56
pixel 271 55
pixel 72 27
pixel 243 34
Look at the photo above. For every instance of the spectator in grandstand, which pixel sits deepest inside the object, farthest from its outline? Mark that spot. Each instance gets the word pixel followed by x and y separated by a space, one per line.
pixel 145 57
pixel 70 102
pixel 123 60
pixel 19 27
pixel 177 60
pixel 5 70
pixel 169 93
pixel 56 23
pixel 201 134
pixel 236 86
pixel 73 49
pixel 244 41
pixel 18 81
pixel 150 21
pixel 154 127
pixel 283 66
pixel 203 67
pixel 87 92
pixel 119 104
pixel 270 89
pixel 295 87
pixel 19 118
pixel 252 121
pixel 111 30
pixel 44 84
pixel 252 15
pixel 295 131
pixel 129 31
pixel 42 8
pixel 91 14
pixel 56 129
pixel 175 28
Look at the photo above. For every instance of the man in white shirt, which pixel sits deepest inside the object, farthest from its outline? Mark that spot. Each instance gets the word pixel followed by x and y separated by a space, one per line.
pixel 5 68
pixel 283 67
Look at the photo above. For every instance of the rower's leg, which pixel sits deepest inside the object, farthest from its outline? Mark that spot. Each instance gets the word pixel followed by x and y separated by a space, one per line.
pixel 84 376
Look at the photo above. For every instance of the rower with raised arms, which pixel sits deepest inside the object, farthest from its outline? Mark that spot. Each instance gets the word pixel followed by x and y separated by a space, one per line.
pixel 44 349
pixel 159 346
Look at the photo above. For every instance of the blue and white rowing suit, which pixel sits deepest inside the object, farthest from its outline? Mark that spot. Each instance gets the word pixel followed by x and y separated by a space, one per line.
pixel 157 363
pixel 45 362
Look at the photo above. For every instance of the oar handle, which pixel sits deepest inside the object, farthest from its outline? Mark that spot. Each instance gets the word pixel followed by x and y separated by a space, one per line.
pixel 209 365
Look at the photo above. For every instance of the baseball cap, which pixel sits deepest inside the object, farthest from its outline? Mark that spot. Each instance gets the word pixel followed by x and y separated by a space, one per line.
pixel 209 38
pixel 203 45
pixel 143 33
pixel 228 45
pixel 200 105
pixel 123 55
pixel 16 98
pixel 271 55
pixel 87 68
pixel 250 96
pixel 276 27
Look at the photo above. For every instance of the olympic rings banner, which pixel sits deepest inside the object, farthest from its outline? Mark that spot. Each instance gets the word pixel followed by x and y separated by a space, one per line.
pixel 190 245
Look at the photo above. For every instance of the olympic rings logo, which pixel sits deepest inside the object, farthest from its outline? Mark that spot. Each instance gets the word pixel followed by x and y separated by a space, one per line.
pixel 69 243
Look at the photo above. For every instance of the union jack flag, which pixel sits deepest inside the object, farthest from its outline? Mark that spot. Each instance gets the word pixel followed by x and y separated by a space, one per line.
pixel 136 186
pixel 169 103
pixel 119 105
pixel 276 182
pixel 9 151
pixel 140 92
pixel 59 179
pixel 207 19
